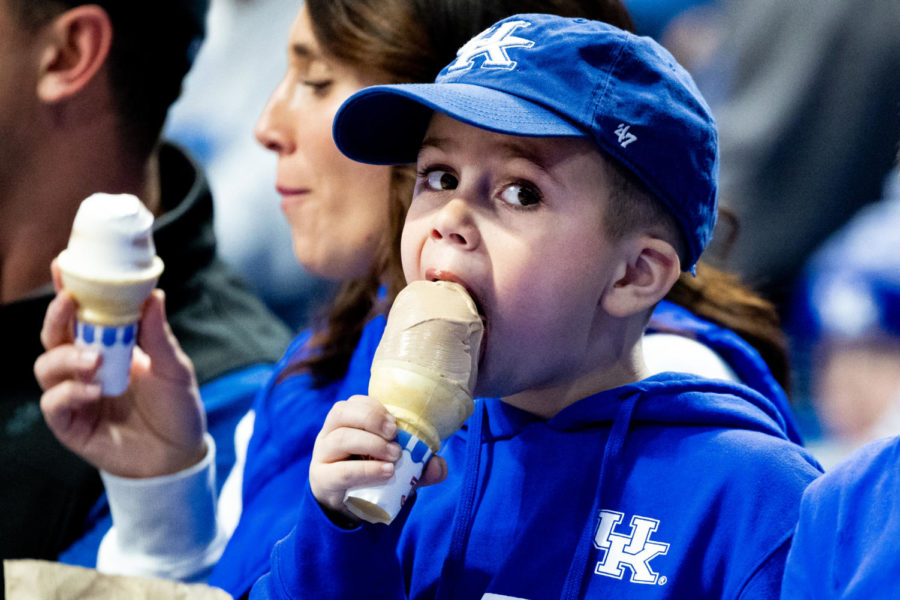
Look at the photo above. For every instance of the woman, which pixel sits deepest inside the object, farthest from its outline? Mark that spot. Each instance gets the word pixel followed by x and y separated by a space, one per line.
pixel 345 219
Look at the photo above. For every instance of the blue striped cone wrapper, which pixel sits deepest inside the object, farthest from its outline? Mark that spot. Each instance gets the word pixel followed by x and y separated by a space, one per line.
pixel 115 344
pixel 382 503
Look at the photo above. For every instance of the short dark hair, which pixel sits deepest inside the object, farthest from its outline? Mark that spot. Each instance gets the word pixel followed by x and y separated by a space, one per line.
pixel 154 44
pixel 632 207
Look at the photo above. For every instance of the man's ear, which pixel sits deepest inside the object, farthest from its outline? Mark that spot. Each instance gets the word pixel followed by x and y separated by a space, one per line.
pixel 78 43
pixel 649 270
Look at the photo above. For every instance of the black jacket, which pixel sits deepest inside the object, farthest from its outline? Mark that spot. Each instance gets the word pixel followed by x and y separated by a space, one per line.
pixel 46 491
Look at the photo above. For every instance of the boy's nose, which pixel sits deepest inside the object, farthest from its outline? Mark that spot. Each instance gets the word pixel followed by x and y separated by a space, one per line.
pixel 455 224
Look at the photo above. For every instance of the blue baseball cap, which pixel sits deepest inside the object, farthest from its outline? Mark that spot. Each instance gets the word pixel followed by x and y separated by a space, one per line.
pixel 547 76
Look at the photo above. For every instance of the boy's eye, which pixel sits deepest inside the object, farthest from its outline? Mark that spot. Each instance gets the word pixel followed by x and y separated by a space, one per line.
pixel 440 180
pixel 520 194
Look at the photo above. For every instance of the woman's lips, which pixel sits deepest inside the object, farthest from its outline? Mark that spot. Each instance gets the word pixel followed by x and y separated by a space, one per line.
pixel 290 195
pixel 290 191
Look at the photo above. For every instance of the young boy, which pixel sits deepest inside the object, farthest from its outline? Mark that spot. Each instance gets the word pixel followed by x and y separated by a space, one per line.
pixel 567 173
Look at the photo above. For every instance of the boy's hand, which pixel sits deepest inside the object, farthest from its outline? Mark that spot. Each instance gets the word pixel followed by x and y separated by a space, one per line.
pixel 356 448
pixel 155 428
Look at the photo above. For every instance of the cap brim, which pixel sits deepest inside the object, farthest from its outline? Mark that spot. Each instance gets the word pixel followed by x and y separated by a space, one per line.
pixel 385 124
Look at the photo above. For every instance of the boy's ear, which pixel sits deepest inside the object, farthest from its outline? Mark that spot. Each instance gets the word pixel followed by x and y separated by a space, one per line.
pixel 78 43
pixel 649 271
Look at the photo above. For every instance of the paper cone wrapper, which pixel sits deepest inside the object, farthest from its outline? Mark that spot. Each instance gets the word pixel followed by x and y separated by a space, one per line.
pixel 115 344
pixel 428 409
pixel 382 503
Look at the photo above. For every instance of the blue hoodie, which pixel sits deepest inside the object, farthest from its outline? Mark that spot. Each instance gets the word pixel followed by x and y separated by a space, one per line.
pixel 290 412
pixel 846 545
pixel 671 487
pixel 289 415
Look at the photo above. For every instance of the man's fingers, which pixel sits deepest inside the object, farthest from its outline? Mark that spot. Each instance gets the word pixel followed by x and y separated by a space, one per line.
pixel 59 321
pixel 56 274
pixel 61 404
pixel 64 363
pixel 158 342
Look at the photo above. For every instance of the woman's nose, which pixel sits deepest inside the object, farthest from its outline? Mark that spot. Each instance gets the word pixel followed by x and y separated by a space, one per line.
pixel 455 223
pixel 273 128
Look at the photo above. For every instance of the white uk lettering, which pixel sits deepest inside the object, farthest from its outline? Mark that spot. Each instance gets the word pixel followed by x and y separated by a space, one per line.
pixel 634 551
pixel 625 137
pixel 492 46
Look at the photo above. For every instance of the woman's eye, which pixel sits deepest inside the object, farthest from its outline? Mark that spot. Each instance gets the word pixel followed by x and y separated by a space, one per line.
pixel 440 180
pixel 519 194
pixel 317 86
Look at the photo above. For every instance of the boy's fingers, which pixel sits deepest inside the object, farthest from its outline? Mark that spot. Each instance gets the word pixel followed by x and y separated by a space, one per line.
pixel 347 474
pixel 59 321
pixel 361 412
pixel 345 442
pixel 435 471
pixel 66 362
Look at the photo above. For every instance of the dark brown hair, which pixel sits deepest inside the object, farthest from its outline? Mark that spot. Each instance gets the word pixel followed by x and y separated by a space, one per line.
pixel 410 41
pixel 154 43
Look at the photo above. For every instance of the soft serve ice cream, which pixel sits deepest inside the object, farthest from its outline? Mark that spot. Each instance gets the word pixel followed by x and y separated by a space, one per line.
pixel 110 267
pixel 424 372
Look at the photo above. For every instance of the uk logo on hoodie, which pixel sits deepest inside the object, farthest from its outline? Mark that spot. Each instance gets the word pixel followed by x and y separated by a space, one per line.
pixel 633 550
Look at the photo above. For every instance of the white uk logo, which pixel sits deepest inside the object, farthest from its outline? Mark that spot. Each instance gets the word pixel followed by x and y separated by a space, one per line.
pixel 625 137
pixel 491 45
pixel 634 551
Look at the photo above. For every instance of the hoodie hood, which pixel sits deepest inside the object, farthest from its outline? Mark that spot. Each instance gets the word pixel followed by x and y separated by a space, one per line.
pixel 741 356
pixel 671 400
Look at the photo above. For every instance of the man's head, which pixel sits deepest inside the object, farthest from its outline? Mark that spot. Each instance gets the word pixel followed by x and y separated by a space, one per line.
pixel 150 49
pixel 545 76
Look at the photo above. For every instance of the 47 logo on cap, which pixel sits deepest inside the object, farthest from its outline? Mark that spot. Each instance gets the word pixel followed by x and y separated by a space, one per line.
pixel 491 45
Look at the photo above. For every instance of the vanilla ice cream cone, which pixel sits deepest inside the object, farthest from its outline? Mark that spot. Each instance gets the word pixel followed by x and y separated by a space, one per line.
pixel 424 372
pixel 110 267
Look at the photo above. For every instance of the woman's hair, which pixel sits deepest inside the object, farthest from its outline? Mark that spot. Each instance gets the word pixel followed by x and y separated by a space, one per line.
pixel 712 294
pixel 410 41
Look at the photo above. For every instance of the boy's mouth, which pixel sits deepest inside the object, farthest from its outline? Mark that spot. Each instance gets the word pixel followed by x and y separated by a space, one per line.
pixel 440 275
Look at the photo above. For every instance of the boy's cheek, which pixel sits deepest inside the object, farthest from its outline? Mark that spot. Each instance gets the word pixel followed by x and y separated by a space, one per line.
pixel 410 250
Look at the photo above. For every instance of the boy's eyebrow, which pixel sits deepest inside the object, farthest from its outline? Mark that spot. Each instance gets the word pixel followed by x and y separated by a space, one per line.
pixel 532 154
pixel 509 149
pixel 438 143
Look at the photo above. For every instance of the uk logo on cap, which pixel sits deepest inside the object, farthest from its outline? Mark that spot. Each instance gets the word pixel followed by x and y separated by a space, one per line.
pixel 492 45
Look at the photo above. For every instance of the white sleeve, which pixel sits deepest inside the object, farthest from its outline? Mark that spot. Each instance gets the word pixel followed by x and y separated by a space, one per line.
pixel 231 499
pixel 172 526
pixel 671 352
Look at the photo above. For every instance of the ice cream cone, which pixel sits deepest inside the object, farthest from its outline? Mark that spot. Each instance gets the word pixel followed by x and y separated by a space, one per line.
pixel 110 267
pixel 424 372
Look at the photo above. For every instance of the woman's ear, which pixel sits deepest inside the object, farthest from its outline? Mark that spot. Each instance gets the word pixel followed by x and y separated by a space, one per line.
pixel 649 270
pixel 77 46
